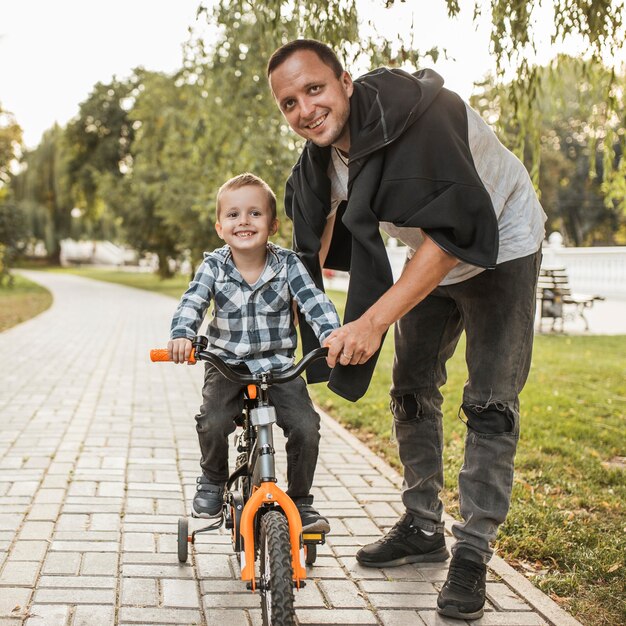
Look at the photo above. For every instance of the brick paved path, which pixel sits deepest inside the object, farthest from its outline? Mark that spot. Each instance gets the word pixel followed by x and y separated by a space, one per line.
pixel 98 455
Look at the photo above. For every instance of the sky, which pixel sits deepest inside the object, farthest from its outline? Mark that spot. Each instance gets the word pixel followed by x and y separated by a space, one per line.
pixel 52 52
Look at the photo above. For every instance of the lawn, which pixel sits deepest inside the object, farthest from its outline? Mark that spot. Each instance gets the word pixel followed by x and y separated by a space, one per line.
pixel 566 528
pixel 21 301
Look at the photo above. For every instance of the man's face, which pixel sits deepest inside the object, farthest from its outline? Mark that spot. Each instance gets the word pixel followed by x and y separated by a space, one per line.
pixel 315 103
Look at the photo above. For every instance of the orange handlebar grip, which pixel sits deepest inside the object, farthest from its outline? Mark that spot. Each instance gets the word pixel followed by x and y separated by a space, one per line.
pixel 159 355
pixel 163 355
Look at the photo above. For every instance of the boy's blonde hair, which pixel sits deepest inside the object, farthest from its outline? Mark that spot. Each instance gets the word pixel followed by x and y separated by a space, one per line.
pixel 243 180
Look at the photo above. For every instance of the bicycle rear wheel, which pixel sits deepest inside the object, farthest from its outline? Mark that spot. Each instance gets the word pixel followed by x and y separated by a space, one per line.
pixel 276 583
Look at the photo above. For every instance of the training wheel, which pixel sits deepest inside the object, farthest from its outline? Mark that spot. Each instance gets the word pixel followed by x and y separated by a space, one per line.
pixel 183 539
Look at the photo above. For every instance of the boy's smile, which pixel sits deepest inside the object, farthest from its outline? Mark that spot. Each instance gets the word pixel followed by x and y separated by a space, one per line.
pixel 245 219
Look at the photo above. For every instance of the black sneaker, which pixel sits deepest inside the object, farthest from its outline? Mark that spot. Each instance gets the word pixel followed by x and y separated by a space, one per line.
pixel 312 521
pixel 463 594
pixel 404 543
pixel 208 500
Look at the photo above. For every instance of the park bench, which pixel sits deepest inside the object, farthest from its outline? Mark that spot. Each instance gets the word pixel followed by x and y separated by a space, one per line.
pixel 557 302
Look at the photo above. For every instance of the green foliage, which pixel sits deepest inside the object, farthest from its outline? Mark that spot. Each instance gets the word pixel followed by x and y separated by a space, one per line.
pixel 10 144
pixel 575 127
pixel 12 233
pixel 43 191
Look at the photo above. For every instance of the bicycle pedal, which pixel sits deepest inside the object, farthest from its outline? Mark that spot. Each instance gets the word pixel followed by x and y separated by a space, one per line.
pixel 314 537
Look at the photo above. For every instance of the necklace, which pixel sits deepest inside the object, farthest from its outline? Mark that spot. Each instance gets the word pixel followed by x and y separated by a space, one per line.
pixel 342 158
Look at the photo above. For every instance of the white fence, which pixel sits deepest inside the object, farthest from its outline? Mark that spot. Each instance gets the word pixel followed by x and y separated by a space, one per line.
pixel 593 271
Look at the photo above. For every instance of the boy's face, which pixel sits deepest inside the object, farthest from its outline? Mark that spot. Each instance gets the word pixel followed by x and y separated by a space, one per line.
pixel 315 103
pixel 245 218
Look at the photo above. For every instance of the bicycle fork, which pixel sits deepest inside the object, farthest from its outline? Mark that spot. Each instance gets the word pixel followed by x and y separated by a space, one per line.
pixel 266 491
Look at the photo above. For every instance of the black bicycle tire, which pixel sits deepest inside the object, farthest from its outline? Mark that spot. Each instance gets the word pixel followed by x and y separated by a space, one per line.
pixel 278 606
pixel 183 540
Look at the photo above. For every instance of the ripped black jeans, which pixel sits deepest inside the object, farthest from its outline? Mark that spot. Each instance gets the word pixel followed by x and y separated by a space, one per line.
pixel 496 309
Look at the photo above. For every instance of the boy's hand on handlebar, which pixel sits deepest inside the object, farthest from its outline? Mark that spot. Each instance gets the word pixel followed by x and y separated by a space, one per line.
pixel 179 349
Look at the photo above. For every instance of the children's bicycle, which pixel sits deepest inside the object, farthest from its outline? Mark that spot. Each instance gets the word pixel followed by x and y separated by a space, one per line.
pixel 263 520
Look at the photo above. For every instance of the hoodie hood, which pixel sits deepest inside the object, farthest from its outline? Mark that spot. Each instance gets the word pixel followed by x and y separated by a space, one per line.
pixel 385 103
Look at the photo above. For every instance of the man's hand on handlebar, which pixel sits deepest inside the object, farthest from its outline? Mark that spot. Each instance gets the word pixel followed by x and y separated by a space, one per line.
pixel 179 349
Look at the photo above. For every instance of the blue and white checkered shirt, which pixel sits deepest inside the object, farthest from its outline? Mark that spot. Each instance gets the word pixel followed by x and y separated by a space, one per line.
pixel 252 324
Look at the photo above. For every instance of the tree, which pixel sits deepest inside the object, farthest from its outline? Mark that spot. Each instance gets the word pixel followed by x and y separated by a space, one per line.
pixel 99 140
pixel 43 189
pixel 10 144
pixel 571 104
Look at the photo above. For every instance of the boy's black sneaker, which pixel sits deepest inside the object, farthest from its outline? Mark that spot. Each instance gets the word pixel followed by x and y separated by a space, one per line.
pixel 463 594
pixel 404 543
pixel 208 500
pixel 312 521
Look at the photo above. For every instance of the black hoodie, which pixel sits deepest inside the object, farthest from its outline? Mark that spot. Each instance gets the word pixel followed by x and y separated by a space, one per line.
pixel 411 165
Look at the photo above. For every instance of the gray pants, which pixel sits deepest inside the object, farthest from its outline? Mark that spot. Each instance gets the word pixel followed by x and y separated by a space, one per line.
pixel 222 402
pixel 496 309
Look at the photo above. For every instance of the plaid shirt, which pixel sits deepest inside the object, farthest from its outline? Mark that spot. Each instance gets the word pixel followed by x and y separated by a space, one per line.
pixel 253 324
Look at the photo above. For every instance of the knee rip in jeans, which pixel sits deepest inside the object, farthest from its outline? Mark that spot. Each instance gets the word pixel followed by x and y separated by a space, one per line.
pixel 407 407
pixel 492 418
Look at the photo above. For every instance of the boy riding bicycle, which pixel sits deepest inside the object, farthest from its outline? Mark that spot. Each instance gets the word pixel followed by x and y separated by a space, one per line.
pixel 252 283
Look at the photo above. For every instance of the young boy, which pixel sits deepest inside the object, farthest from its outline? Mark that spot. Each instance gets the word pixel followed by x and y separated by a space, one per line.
pixel 251 283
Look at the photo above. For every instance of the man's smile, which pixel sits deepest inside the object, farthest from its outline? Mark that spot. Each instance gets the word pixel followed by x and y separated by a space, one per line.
pixel 317 122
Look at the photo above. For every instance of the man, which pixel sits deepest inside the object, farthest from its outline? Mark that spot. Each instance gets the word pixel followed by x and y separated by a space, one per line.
pixel 401 153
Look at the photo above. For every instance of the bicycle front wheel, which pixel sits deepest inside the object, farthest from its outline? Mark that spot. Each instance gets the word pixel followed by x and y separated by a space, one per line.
pixel 276 583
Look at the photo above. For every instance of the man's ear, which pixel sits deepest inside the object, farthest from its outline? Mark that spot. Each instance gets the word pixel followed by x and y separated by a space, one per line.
pixel 218 230
pixel 346 81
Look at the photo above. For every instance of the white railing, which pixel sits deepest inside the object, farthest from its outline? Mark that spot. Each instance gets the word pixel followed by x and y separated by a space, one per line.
pixel 593 271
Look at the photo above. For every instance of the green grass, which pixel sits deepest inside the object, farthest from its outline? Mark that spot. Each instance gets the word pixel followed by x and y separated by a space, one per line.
pixel 21 301
pixel 566 526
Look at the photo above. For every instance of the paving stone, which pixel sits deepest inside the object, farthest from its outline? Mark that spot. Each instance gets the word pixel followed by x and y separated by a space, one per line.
pixel 48 615
pixel 236 617
pixel 157 571
pixel 20 573
pixel 84 546
pixel 36 530
pixel 139 592
pixel 29 550
pixel 133 615
pixel 432 618
pixel 78 582
pixel 10 521
pixel 91 615
pixel 396 586
pixel 513 618
pixel 402 601
pixel 504 599
pixel 337 616
pixel 62 563
pixel 44 512
pixel 97 564
pixel 213 565
pixel 13 601
pixel 139 542
pixel 231 600
pixel 342 594
pixel 179 593
pixel 403 618
pixel 74 596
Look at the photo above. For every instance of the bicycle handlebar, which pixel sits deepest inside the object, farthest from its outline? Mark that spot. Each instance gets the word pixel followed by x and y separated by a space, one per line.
pixel 228 372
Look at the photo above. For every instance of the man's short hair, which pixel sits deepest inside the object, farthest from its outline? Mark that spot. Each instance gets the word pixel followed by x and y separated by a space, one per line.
pixel 325 54
pixel 243 180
